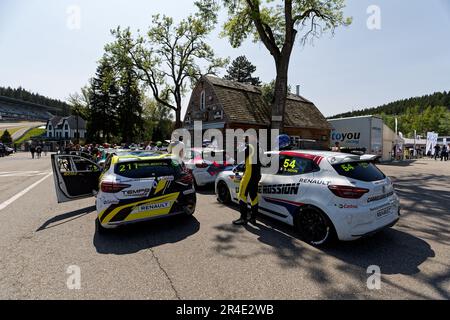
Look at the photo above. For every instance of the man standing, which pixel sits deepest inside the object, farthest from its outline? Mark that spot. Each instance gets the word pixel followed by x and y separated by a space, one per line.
pixel 248 187
pixel 436 151
pixel 444 153
pixel 32 150
pixel 337 147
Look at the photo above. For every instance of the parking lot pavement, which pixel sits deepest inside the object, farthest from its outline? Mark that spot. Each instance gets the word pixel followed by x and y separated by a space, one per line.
pixel 206 257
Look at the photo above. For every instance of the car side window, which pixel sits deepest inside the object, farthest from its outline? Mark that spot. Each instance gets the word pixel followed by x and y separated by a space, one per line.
pixel 291 166
pixel 67 164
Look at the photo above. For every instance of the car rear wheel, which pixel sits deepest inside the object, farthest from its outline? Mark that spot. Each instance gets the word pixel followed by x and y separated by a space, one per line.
pixel 314 226
pixel 99 228
pixel 223 194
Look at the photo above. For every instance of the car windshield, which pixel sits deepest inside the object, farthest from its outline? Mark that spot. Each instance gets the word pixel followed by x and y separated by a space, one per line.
pixel 148 169
pixel 363 171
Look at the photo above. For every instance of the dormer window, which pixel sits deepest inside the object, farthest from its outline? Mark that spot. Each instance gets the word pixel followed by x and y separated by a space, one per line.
pixel 218 115
pixel 202 100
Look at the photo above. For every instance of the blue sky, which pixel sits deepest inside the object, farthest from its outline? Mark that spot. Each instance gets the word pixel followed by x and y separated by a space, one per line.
pixel 358 67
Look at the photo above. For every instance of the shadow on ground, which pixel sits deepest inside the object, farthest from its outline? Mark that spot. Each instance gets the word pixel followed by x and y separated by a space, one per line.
pixel 66 218
pixel 206 190
pixel 145 235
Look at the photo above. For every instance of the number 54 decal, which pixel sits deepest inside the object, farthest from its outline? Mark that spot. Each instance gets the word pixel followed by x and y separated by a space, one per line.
pixel 289 164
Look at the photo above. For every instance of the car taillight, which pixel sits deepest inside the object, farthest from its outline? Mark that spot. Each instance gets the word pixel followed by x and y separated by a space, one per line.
pixel 186 179
pixel 112 187
pixel 348 192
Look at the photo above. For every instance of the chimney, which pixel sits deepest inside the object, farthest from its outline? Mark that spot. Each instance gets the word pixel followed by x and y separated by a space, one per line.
pixel 298 89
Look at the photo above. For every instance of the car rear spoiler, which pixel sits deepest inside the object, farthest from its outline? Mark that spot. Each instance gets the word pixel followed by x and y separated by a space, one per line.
pixel 370 157
pixel 354 158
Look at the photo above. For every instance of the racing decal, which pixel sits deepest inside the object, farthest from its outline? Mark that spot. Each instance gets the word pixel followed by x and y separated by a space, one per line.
pixel 137 193
pixel 160 185
pixel 70 174
pixel 316 159
pixel 215 168
pixel 291 206
pixel 273 212
pixel 347 206
pixel 315 181
pixel 121 212
pixel 383 206
pixel 190 191
pixel 112 201
pixel 291 188
pixel 151 207
pixel 380 197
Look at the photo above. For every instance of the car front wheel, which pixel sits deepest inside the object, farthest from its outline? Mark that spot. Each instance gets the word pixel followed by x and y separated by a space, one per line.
pixel 314 226
pixel 223 194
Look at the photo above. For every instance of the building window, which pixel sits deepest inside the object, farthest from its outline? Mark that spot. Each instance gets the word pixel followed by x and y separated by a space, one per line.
pixel 202 100
pixel 218 115
pixel 49 134
pixel 67 127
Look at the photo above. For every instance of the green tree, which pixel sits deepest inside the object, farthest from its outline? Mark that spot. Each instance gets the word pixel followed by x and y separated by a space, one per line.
pixel 129 110
pixel 278 24
pixel 241 70
pixel 158 121
pixel 103 103
pixel 268 91
pixel 6 137
pixel 79 106
pixel 170 56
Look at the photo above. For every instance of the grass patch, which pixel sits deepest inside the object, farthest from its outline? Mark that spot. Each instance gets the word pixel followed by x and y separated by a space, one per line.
pixel 35 132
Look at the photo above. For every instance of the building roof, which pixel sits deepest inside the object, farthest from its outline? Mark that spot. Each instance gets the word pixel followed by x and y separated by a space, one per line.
pixel 243 103
pixel 72 121
pixel 54 121
pixel 57 122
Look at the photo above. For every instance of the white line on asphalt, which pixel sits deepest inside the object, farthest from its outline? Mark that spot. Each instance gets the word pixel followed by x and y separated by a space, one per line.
pixel 21 193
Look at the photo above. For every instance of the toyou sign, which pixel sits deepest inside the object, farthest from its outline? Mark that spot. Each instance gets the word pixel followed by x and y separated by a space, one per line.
pixel 346 137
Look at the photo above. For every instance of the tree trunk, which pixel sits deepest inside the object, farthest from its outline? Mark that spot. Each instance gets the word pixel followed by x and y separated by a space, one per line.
pixel 280 94
pixel 178 123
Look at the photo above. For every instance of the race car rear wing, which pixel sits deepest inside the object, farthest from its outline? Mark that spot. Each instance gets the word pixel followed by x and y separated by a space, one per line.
pixel 353 158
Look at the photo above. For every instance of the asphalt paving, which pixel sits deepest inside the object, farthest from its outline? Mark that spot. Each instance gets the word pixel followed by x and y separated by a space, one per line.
pixel 206 257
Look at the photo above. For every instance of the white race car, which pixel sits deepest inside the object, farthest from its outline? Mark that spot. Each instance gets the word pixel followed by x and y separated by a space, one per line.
pixel 131 187
pixel 322 194
pixel 202 166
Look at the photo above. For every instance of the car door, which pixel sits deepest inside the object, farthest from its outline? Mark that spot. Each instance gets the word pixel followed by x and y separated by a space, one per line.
pixel 75 177
pixel 283 193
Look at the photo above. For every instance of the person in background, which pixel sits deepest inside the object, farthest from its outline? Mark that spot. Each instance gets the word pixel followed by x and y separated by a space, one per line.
pixel 437 149
pixel 444 153
pixel 337 147
pixel 38 151
pixel 32 150
pixel 149 146
pixel 2 150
